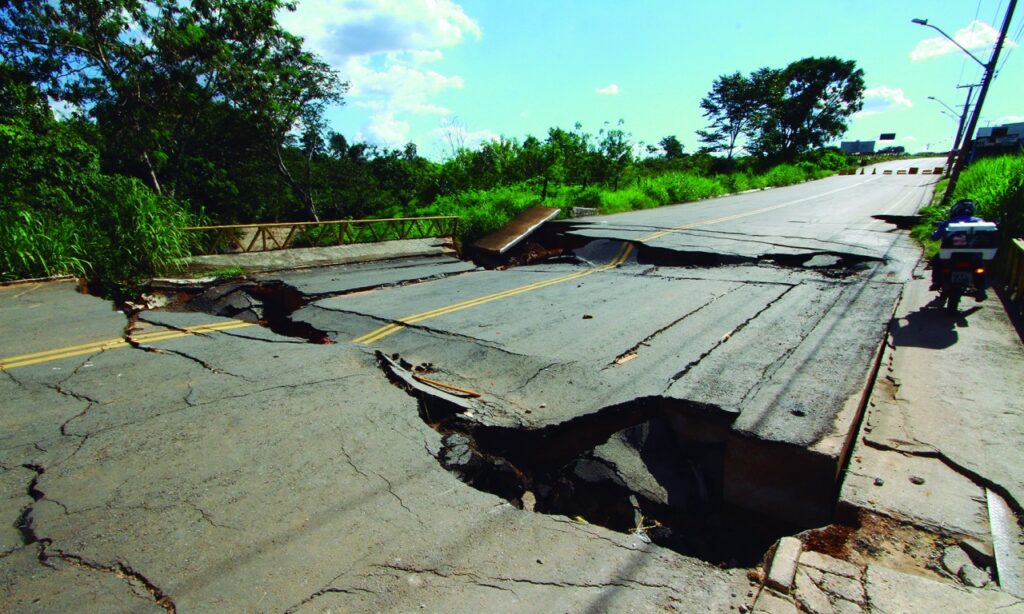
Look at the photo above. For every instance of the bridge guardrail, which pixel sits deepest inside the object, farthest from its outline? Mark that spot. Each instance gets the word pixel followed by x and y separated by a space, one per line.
pixel 1015 269
pixel 235 238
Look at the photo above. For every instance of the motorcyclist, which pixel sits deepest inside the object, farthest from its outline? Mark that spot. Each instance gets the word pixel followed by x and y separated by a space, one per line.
pixel 961 211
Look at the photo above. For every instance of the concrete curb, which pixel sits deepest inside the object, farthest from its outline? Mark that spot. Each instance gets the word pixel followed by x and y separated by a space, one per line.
pixel 37 280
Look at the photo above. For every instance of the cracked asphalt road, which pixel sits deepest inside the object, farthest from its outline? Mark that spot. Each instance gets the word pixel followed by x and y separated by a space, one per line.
pixel 245 470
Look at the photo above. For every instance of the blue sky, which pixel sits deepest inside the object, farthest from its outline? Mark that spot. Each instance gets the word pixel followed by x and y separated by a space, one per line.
pixel 439 71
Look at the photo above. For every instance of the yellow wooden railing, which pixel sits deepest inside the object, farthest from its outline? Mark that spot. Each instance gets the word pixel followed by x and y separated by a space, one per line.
pixel 1015 269
pixel 234 238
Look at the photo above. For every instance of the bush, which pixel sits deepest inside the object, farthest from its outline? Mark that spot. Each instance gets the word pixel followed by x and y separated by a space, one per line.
pixel 132 232
pixel 783 175
pixel 483 211
pixel 33 245
pixel 60 215
pixel 996 185
pixel 738 182
pixel 629 199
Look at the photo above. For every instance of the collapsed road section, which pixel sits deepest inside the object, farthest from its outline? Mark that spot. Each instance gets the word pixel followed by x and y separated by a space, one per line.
pixel 751 373
pixel 680 393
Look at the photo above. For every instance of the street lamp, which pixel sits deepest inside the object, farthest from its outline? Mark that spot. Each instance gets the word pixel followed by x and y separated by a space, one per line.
pixel 990 69
pixel 951 110
pixel 959 128
pixel 924 22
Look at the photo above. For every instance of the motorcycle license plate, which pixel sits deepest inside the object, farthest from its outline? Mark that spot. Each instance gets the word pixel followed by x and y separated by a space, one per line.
pixel 962 278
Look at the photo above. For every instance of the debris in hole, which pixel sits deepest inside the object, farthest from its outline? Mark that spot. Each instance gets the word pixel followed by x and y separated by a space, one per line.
pixel 914 479
pixel 879 482
pixel 436 384
pixel 630 468
pixel 823 261
pixel 529 503
pixel 587 316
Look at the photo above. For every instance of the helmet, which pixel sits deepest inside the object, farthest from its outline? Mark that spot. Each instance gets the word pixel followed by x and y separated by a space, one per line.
pixel 962 207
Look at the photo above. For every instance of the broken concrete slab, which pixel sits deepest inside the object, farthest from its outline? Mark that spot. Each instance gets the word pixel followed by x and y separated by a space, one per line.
pixel 518 229
pixel 829 564
pixel 336 280
pixel 27 310
pixel 771 603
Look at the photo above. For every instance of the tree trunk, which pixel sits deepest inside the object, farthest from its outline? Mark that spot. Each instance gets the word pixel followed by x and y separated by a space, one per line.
pixel 152 174
pixel 303 196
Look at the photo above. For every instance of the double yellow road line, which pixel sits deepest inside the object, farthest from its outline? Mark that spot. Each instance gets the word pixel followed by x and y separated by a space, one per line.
pixel 111 344
pixel 394 327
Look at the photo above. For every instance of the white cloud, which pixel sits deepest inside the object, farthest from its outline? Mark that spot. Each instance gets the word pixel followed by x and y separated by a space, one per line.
pixel 1009 119
pixel 339 29
pixel 380 47
pixel 612 89
pixel 384 129
pixel 883 98
pixel 977 35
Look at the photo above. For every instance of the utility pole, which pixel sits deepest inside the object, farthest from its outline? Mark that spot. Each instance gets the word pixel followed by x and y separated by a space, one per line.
pixel 960 128
pixel 990 69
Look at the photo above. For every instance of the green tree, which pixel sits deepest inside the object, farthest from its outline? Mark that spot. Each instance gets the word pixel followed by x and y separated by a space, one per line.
pixel 671 147
pixel 59 214
pixel 734 105
pixel 153 73
pixel 806 105
pixel 616 154
pixel 571 155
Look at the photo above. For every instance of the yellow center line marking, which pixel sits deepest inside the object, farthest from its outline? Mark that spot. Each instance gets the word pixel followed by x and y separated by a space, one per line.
pixel 392 328
pixel 25 360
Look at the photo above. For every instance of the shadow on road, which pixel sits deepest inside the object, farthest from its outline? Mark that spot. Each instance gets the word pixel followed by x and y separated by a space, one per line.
pixel 929 327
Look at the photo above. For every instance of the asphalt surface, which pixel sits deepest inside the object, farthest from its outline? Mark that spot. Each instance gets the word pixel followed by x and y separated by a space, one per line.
pixel 764 310
pixel 210 464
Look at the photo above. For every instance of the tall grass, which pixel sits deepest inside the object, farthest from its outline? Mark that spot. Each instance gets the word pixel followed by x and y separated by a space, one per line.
pixel 118 232
pixel 34 245
pixel 484 211
pixel 996 185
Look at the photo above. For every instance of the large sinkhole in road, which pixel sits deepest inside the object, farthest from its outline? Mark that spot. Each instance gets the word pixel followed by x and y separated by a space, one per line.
pixel 623 467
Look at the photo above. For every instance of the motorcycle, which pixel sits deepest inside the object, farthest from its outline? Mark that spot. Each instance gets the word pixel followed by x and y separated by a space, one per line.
pixel 967 250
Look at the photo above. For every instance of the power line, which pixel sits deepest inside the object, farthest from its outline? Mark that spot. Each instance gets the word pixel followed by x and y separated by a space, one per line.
pixel 1009 50
pixel 963 61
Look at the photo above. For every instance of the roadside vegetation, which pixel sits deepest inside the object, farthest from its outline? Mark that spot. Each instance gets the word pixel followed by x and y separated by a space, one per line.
pixel 996 185
pixel 172 114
